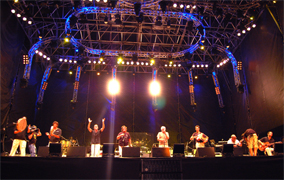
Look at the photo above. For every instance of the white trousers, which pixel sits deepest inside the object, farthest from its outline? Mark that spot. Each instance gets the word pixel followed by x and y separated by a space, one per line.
pixel 120 150
pixel 16 144
pixel 199 145
pixel 95 150
pixel 269 151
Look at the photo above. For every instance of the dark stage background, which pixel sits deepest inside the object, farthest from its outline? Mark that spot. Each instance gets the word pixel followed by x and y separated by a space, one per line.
pixel 260 107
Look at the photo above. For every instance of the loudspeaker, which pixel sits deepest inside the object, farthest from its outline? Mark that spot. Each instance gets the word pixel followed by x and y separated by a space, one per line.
pixel 178 150
pixel 43 151
pixel 76 151
pixel 55 149
pixel 130 151
pixel 161 152
pixel 108 150
pixel 238 151
pixel 278 148
pixel 205 152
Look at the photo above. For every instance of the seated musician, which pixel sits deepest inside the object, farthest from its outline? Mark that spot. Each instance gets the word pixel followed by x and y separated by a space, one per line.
pixel 266 144
pixel 200 137
pixel 233 140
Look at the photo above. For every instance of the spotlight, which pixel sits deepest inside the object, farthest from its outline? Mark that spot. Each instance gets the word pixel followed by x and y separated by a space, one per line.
pixel 195 77
pixel 248 29
pixel 193 66
pixel 98 73
pixel 99 62
pixel 194 6
pixel 218 65
pixel 202 47
pixel 187 6
pixel 206 65
pixel 152 61
pixel 60 60
pixel 119 59
pixel 137 63
pixel 175 5
pixel 102 56
pixel 106 19
pixel 166 65
pixel 94 62
pixel 274 2
pixel 67 39
pixel 98 0
pixel 127 62
pixel 175 65
pixel 30 21
pixel 65 60
pixel 244 31
pixel 132 62
pixel 13 11
pixel 137 8
pixel 146 63
pixel 75 62
pixel 179 65
pixel 113 87
pixel 254 25
pixel 239 34
pixel 36 51
pixel 142 63
pixel 202 65
pixel 15 1
pixel 105 1
pixel 70 72
pixel 25 18
pixel 181 6
pixel 158 21
pixel 117 19
pixel 169 75
pixel 89 61
pixel 197 65
pixel 155 88
pixel 44 56
pixel 19 15
pixel 40 53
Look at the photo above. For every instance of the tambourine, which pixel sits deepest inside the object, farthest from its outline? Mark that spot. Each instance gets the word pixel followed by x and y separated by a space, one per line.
pixel 22 124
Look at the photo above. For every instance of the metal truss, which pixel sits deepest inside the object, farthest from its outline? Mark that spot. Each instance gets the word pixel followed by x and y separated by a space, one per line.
pixel 76 84
pixel 191 88
pixel 217 89
pixel 44 84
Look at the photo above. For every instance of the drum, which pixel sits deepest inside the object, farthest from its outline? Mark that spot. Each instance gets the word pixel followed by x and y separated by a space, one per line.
pixel 22 124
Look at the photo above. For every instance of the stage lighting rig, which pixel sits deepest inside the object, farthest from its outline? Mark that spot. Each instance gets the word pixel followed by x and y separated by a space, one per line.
pixel 119 58
pixel 102 56
pixel 163 4
pixel 137 8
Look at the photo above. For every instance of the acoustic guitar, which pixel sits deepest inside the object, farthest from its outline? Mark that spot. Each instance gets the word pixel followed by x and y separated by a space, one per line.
pixel 264 145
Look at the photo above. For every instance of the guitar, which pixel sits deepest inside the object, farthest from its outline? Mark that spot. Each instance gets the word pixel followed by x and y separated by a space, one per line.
pixel 264 145
pixel 200 137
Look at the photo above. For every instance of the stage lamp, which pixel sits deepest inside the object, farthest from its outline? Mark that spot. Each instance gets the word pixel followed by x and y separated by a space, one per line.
pixel 181 6
pixel 60 60
pixel 117 19
pixel 127 62
pixel 254 25
pixel 106 19
pixel 15 1
pixel 146 63
pixel 187 6
pixel 218 65
pixel 243 31
pixel 195 77
pixel 193 66
pixel 25 18
pixel 248 29
pixel 239 34
pixel 137 8
pixel 194 6
pixel 65 60
pixel 158 21
pixel 13 11
pixel 19 15
pixel 98 0
pixel 89 61
pixel 105 1
pixel 75 61
pixel 98 73
pixel 202 47
pixel 70 72
pixel 30 21
pixel 274 2
pixel 175 5
pixel 132 62
pixel 155 88
pixel 119 59
pixel 197 65
pixel 169 75
pixel 166 65
pixel 113 87
pixel 40 53
pixel 44 56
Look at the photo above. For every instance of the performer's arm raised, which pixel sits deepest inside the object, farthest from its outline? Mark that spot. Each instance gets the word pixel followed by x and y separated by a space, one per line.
pixel 103 121
pixel 89 124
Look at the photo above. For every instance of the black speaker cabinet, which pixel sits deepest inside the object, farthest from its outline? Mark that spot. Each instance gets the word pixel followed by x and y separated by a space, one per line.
pixel 178 150
pixel 238 151
pixel 43 151
pixel 55 149
pixel 108 149
pixel 278 148
pixel 76 151
pixel 205 152
pixel 130 151
pixel 161 152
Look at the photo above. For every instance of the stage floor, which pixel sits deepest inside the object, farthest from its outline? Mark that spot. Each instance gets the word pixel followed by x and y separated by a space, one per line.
pixel 245 167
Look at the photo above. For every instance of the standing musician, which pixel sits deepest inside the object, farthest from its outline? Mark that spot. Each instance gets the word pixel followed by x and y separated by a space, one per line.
pixel 55 133
pixel 96 138
pixel 124 139
pixel 266 144
pixel 163 137
pixel 20 137
pixel 200 137
pixel 34 132
pixel 251 138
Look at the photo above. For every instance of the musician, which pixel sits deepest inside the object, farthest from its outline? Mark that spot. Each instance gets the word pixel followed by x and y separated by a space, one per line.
pixel 266 144
pixel 55 133
pixel 200 137
pixel 233 140
pixel 96 138
pixel 163 137
pixel 20 137
pixel 124 139
pixel 251 138
pixel 34 132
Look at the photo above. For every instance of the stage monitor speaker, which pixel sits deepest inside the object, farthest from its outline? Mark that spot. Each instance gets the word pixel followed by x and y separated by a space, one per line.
pixel 278 148
pixel 238 151
pixel 55 149
pixel 43 151
pixel 76 151
pixel 178 150
pixel 108 149
pixel 161 152
pixel 130 151
pixel 205 152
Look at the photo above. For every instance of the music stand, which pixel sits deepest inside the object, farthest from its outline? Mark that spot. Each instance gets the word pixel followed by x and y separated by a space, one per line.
pixel 108 149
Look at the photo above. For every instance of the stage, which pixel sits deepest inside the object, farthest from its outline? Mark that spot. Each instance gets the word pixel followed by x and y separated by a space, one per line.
pixel 245 167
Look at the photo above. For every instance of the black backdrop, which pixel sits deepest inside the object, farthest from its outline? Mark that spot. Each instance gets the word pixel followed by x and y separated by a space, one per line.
pixel 263 71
